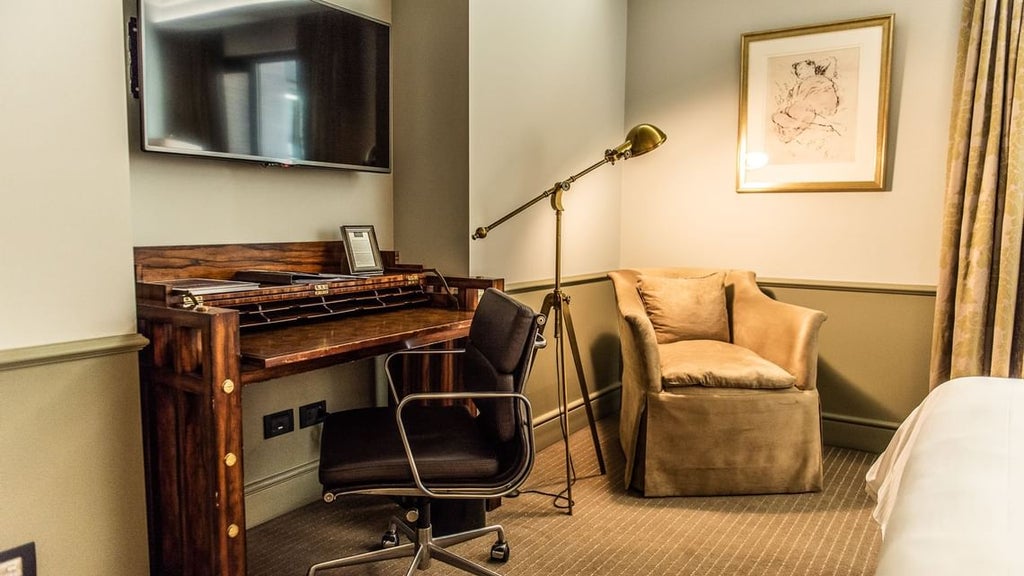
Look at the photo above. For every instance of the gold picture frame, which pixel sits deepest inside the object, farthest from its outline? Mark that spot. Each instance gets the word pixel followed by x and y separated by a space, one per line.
pixel 814 107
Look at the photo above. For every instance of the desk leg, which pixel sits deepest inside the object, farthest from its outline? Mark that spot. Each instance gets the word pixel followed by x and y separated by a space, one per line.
pixel 382 395
pixel 192 433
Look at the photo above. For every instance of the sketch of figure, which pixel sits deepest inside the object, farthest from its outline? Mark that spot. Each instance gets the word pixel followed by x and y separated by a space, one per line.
pixel 812 106
pixel 812 101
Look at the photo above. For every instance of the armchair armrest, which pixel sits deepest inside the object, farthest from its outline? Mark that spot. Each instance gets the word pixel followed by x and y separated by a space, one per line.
pixel 783 333
pixel 467 492
pixel 641 362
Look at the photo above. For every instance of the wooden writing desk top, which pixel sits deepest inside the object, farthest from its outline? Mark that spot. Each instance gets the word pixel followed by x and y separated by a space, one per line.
pixel 273 352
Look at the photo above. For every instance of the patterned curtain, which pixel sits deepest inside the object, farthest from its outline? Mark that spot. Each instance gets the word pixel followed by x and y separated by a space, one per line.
pixel 979 315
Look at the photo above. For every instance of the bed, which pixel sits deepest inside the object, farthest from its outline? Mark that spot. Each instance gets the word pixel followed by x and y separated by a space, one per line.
pixel 949 488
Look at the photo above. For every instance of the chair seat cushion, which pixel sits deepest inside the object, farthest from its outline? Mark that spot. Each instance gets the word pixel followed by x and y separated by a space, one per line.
pixel 718 365
pixel 363 446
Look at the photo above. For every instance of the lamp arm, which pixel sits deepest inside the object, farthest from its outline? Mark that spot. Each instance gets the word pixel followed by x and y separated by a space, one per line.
pixel 558 187
pixel 609 157
pixel 483 230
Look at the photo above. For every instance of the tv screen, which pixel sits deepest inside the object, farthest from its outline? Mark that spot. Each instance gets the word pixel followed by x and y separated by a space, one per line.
pixel 289 82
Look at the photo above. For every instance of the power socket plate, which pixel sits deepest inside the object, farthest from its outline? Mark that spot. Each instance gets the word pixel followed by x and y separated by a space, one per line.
pixel 278 423
pixel 310 414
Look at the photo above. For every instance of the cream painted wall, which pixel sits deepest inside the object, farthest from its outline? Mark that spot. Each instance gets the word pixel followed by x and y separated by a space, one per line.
pixel 178 200
pixel 198 201
pixel 681 207
pixel 431 112
pixel 545 101
pixel 65 226
pixel 71 475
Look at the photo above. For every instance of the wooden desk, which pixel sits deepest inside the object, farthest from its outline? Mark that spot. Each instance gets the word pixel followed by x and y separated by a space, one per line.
pixel 277 352
pixel 199 358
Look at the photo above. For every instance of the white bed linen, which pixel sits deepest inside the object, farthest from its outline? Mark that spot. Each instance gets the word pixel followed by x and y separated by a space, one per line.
pixel 950 486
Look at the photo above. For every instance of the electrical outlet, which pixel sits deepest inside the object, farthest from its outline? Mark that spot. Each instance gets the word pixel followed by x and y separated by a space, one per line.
pixel 311 414
pixel 20 561
pixel 278 423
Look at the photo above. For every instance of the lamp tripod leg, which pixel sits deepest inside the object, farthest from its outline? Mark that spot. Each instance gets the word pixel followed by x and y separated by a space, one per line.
pixel 574 347
pixel 563 399
pixel 559 303
pixel 552 310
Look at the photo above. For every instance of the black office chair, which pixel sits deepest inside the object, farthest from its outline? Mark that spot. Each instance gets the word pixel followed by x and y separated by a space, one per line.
pixel 429 451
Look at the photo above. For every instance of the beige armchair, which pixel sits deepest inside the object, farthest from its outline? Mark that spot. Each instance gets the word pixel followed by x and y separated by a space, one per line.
pixel 718 385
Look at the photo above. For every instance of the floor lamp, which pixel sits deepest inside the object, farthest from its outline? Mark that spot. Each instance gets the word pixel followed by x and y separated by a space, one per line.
pixel 640 140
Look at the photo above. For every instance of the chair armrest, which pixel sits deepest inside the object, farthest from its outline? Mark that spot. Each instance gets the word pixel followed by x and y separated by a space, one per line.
pixel 538 344
pixel 783 333
pixel 467 492
pixel 641 361
pixel 413 352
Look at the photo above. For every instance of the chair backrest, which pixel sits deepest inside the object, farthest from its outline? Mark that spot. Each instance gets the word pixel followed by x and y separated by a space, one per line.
pixel 499 355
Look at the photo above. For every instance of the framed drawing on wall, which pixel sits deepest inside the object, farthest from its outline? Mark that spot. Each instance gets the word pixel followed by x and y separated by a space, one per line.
pixel 361 251
pixel 814 107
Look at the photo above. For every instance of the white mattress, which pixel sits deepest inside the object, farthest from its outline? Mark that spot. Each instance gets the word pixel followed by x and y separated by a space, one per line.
pixel 950 486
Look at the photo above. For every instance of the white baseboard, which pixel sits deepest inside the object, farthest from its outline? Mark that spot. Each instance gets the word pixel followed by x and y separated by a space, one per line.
pixel 547 429
pixel 283 492
pixel 856 433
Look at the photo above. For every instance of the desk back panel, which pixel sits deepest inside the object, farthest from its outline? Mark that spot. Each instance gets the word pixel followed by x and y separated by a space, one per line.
pixel 221 261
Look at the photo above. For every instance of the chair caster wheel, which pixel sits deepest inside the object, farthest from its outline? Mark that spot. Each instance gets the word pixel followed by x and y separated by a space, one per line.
pixel 500 551
pixel 389 540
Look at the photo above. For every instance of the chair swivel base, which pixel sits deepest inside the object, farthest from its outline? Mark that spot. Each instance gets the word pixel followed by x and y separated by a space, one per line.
pixel 424 547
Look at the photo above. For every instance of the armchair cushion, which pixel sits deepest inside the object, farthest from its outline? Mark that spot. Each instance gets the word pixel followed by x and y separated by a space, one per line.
pixel 686 308
pixel 718 365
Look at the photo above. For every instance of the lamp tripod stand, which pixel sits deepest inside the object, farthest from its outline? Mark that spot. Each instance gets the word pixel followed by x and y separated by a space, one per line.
pixel 640 140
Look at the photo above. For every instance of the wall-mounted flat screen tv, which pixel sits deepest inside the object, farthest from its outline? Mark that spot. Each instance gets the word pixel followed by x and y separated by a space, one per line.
pixel 283 82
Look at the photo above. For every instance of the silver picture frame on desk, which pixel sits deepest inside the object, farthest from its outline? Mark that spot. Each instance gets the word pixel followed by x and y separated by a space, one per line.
pixel 361 251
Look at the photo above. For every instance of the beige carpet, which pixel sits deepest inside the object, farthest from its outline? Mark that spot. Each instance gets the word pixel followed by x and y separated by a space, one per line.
pixel 611 531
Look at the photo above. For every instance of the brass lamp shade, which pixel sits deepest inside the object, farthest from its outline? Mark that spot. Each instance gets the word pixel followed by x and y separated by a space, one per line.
pixel 640 140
